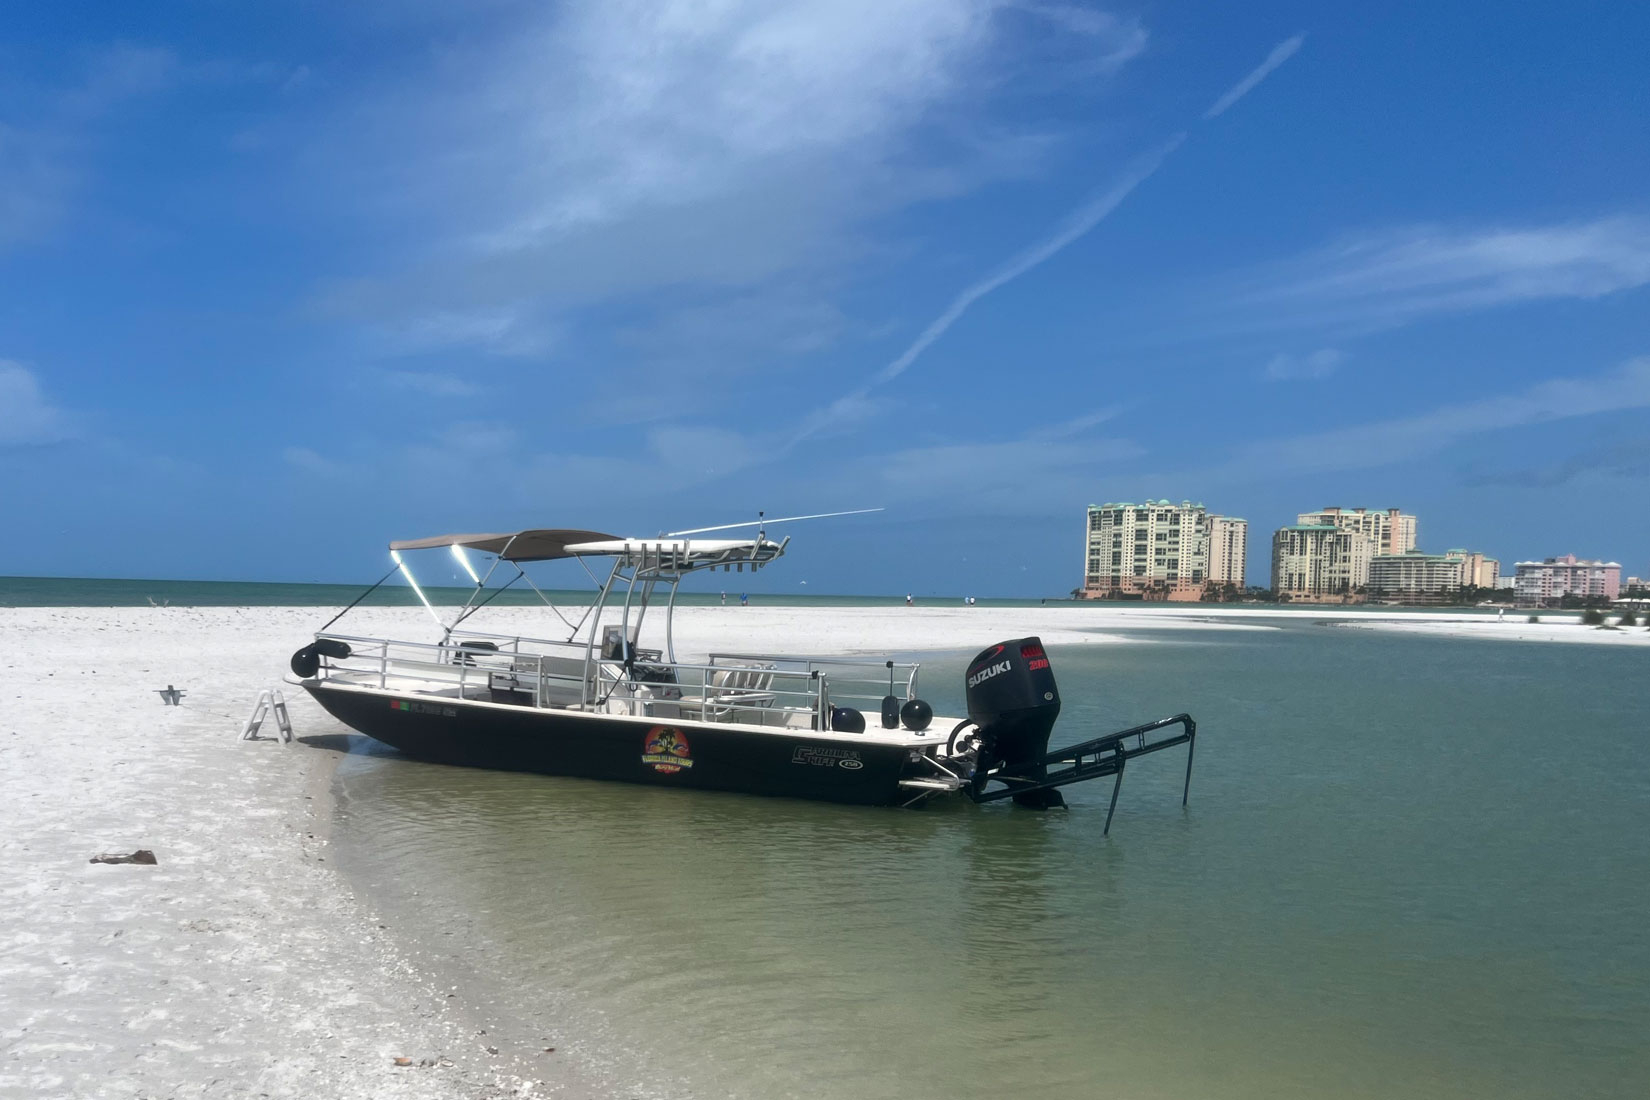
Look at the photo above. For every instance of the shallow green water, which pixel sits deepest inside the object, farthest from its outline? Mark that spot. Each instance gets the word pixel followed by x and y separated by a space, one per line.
pixel 1410 867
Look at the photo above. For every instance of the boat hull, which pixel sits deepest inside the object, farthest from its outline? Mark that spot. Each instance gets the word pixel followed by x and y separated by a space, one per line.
pixel 698 755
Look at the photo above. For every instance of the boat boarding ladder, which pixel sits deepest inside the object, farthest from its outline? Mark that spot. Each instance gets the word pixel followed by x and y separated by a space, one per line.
pixel 1094 759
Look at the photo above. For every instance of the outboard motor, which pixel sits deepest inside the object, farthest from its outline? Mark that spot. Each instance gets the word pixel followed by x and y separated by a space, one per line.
pixel 1014 702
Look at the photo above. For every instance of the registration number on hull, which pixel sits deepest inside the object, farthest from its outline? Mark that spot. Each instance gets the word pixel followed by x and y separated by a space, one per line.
pixel 411 707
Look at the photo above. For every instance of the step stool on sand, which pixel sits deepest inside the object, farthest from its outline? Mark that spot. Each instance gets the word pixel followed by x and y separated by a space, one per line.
pixel 270 701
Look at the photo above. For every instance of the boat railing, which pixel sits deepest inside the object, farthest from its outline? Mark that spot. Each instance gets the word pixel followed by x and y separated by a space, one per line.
pixel 845 681
pixel 752 694
pixel 754 691
pixel 457 669
pixel 514 643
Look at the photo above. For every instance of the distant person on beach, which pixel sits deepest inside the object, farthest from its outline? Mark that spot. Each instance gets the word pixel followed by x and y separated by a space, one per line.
pixel 744 600
pixel 724 599
pixel 908 599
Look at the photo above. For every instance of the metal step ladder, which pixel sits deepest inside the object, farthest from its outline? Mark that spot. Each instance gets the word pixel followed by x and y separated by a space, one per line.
pixel 270 701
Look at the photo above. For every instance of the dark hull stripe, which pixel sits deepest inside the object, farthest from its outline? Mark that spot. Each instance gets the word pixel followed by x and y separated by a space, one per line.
pixel 664 753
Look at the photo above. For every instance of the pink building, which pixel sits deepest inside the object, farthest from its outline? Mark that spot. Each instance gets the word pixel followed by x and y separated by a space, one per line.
pixel 1542 583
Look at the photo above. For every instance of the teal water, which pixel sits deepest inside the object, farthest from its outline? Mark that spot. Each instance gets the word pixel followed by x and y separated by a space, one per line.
pixel 1411 867
pixel 113 592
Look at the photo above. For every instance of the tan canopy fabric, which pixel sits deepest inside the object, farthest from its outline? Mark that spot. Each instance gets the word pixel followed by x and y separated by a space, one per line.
pixel 536 545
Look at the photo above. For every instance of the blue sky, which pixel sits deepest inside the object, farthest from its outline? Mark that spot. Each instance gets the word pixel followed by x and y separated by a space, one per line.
pixel 281 282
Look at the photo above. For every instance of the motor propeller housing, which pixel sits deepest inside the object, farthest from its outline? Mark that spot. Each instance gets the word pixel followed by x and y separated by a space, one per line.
pixel 1014 701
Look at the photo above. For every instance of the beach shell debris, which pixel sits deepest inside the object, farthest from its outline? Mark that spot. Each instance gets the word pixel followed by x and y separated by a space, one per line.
pixel 142 855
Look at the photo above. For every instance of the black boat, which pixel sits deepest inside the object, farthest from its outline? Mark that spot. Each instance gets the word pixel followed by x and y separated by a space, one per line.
pixel 598 705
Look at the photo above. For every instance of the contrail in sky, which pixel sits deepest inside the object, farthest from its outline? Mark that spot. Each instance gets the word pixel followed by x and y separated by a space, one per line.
pixel 1077 224
pixel 1282 52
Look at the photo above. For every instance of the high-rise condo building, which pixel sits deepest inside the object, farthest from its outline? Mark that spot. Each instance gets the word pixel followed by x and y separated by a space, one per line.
pixel 1156 550
pixel 1320 562
pixel 1541 583
pixel 1390 532
pixel 1478 570
pixel 1228 549
pixel 1414 577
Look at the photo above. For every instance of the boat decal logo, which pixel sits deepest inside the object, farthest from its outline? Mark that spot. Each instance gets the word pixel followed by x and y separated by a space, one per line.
pixel 423 708
pixel 666 750
pixel 987 673
pixel 825 756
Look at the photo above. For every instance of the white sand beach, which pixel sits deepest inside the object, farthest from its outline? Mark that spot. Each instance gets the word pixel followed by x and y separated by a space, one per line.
pixel 241 964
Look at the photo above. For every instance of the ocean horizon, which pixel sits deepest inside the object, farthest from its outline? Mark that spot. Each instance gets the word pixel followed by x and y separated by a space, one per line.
pixel 137 592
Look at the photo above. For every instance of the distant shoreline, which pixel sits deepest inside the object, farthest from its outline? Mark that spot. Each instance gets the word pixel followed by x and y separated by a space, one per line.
pixel 140 592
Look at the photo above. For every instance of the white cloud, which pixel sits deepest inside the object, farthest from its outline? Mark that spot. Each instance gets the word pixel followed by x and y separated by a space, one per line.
pixel 1322 363
pixel 51 134
pixel 1360 446
pixel 27 415
pixel 1126 37
pixel 478 438
pixel 1398 277
pixel 601 152
pixel 1282 52
pixel 503 330
pixel 1077 425
pixel 46 134
pixel 430 383
pixel 34 174
pixel 299 78
pixel 669 102
pixel 758 329
pixel 701 454
pixel 1028 475
pixel 310 462
pixel 118 73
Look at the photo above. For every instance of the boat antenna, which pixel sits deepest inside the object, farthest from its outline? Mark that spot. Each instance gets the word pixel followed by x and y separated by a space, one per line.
pixel 359 598
pixel 761 523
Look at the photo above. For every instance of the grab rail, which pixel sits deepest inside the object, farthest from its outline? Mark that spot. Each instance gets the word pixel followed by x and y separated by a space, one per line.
pixel 876 678
pixel 764 694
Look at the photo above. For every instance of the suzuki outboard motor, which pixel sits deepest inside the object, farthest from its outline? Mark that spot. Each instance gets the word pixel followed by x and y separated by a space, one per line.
pixel 1013 701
